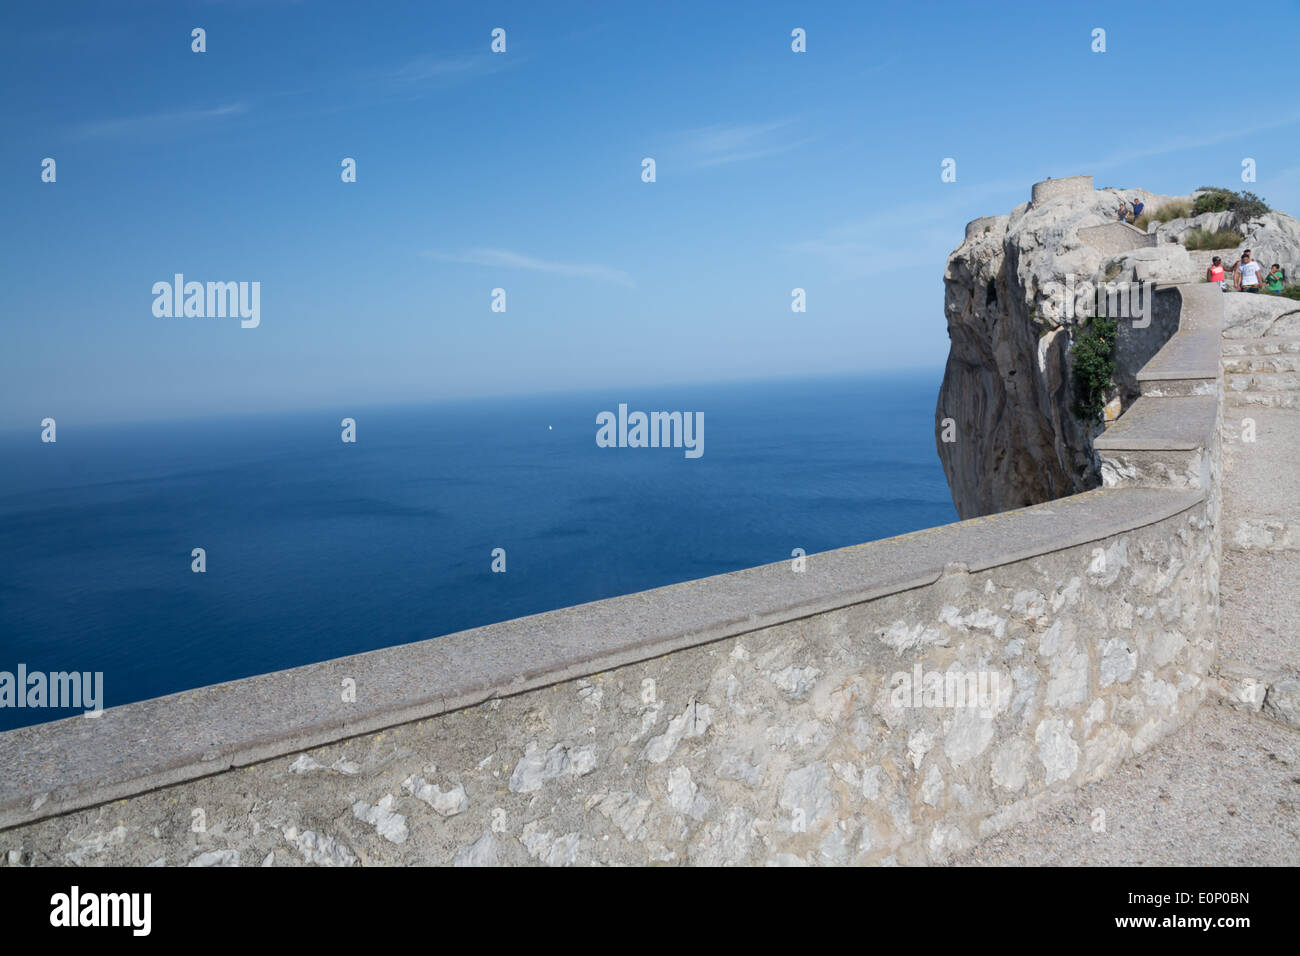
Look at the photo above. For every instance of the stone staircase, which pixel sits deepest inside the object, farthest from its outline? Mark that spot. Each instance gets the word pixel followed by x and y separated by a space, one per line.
pixel 1259 661
pixel 1203 258
pixel 1263 371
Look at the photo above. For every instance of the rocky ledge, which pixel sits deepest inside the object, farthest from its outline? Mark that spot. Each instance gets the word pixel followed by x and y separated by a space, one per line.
pixel 1007 427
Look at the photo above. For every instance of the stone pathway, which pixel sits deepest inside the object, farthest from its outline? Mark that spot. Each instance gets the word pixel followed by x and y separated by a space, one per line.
pixel 1263 371
pixel 1225 788
pixel 1259 639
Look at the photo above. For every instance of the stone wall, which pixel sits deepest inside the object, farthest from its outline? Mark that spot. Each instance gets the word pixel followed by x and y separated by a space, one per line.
pixel 984 224
pixel 1049 189
pixel 1112 238
pixel 1137 343
pixel 791 744
pixel 889 703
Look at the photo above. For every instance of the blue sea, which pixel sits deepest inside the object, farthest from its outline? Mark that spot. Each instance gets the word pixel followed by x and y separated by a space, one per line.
pixel 316 548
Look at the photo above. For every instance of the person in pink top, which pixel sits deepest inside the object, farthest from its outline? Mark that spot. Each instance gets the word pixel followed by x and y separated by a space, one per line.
pixel 1215 273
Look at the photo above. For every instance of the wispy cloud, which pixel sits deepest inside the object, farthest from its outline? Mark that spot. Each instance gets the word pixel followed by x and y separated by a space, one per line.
pixel 373 86
pixel 505 259
pixel 409 79
pixel 872 245
pixel 154 124
pixel 732 143
pixel 424 68
pixel 429 73
pixel 1160 146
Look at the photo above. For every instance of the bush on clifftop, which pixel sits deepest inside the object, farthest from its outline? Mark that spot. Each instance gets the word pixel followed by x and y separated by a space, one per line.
pixel 1242 205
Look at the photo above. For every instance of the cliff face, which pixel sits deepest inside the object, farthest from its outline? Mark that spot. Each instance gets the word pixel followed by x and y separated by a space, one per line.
pixel 1005 424
pixel 1003 387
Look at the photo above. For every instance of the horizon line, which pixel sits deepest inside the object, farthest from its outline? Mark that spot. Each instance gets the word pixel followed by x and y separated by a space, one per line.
pixel 6 429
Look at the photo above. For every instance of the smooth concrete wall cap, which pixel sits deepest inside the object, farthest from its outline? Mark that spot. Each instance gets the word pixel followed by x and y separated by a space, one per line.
pixel 1193 354
pixel 1179 423
pixel 1201 307
pixel 78 762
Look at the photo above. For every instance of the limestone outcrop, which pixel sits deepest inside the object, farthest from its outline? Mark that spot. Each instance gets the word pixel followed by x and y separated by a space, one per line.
pixel 1007 430
pixel 1271 237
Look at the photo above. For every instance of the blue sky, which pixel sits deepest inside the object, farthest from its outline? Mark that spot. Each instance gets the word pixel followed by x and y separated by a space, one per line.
pixel 522 171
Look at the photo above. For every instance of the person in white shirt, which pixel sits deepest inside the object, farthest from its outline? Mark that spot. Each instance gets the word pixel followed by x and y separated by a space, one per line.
pixel 1247 274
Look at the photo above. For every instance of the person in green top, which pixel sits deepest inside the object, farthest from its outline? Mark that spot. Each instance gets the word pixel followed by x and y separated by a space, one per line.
pixel 1276 278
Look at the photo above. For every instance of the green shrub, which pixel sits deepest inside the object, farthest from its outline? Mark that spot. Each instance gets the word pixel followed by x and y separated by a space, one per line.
pixel 1242 205
pixel 1094 365
pixel 1246 205
pixel 1219 239
pixel 1291 291
pixel 1215 200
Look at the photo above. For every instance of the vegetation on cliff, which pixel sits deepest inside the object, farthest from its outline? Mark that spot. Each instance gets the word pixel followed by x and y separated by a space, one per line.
pixel 1218 239
pixel 1093 366
pixel 1243 205
pixel 1166 212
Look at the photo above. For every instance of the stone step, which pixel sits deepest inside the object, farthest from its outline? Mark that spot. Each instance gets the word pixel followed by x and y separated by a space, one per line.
pixel 1262 381
pixel 1268 345
pixel 1189 362
pixel 1265 399
pixel 1160 442
pixel 1246 364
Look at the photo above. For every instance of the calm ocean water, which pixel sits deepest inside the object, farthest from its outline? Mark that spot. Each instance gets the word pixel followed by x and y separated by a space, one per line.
pixel 316 548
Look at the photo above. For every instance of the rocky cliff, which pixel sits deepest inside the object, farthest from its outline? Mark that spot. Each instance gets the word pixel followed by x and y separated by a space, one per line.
pixel 1007 429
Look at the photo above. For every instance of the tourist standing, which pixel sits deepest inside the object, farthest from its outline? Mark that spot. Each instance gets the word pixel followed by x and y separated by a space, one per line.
pixel 1276 279
pixel 1215 274
pixel 1248 274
